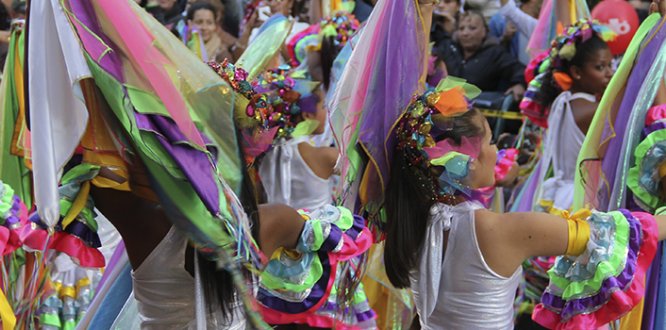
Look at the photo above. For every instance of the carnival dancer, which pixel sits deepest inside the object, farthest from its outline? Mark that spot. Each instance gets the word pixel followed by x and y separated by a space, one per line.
pixel 566 83
pixel 280 110
pixel 471 264
pixel 282 113
pixel 563 96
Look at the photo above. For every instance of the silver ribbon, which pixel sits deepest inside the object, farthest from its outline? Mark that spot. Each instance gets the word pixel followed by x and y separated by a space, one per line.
pixel 430 265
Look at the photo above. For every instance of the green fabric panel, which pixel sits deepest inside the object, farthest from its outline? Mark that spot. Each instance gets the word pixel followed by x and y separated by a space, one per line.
pixel 205 228
pixel 12 168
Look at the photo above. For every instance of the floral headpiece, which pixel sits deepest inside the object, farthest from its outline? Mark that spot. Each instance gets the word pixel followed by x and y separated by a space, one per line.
pixel 341 26
pixel 554 61
pixel 277 101
pixel 416 130
pixel 281 100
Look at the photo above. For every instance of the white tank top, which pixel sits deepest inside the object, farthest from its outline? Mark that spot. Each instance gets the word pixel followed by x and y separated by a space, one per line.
pixel 562 143
pixel 287 178
pixel 457 289
pixel 165 293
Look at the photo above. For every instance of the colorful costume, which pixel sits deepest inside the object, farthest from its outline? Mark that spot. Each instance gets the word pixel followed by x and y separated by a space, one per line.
pixel 302 286
pixel 373 89
pixel 607 280
pixel 453 284
pixel 453 294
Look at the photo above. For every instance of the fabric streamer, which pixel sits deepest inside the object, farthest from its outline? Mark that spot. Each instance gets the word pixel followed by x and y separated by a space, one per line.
pixel 58 116
pixel 266 45
pixel 381 76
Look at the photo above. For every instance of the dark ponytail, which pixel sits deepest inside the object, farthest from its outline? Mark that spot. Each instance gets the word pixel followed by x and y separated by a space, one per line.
pixel 218 286
pixel 329 51
pixel 409 197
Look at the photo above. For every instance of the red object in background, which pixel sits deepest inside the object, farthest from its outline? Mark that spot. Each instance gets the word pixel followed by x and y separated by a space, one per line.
pixel 621 17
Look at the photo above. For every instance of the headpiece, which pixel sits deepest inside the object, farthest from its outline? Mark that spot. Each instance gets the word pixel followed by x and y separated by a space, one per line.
pixel 340 26
pixel 277 100
pixel 416 131
pixel 555 62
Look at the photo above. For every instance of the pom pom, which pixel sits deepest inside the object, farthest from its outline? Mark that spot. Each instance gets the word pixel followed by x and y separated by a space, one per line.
pixel 563 80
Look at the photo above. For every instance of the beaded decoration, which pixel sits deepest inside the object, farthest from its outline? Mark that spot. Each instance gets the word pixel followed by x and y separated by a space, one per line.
pixel 416 142
pixel 276 103
pixel 555 62
pixel 276 98
pixel 235 77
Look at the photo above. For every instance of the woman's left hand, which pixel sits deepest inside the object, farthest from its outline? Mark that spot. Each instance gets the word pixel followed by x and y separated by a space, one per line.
pixel 517 91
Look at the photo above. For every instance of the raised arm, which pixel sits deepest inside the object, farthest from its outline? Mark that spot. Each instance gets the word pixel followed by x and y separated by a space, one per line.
pixel 506 240
pixel 524 22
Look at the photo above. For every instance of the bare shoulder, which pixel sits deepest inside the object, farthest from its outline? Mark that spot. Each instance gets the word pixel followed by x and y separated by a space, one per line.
pixel 494 234
pixel 320 159
pixel 486 220
pixel 583 112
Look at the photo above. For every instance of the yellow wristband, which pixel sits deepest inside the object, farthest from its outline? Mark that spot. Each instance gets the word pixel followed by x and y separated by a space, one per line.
pixel 579 234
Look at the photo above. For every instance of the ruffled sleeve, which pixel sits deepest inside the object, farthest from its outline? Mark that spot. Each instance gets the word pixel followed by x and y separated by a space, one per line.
pixel 76 232
pixel 607 280
pixel 650 160
pixel 298 286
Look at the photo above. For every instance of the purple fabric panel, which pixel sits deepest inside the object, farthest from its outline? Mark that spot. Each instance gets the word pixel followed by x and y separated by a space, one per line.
pixel 654 127
pixel 332 307
pixel 34 217
pixel 81 230
pixel 308 104
pixel 316 295
pixel 110 62
pixel 365 316
pixel 642 66
pixel 621 282
pixel 13 219
pixel 332 240
pixel 195 164
pixel 356 228
pixel 396 72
